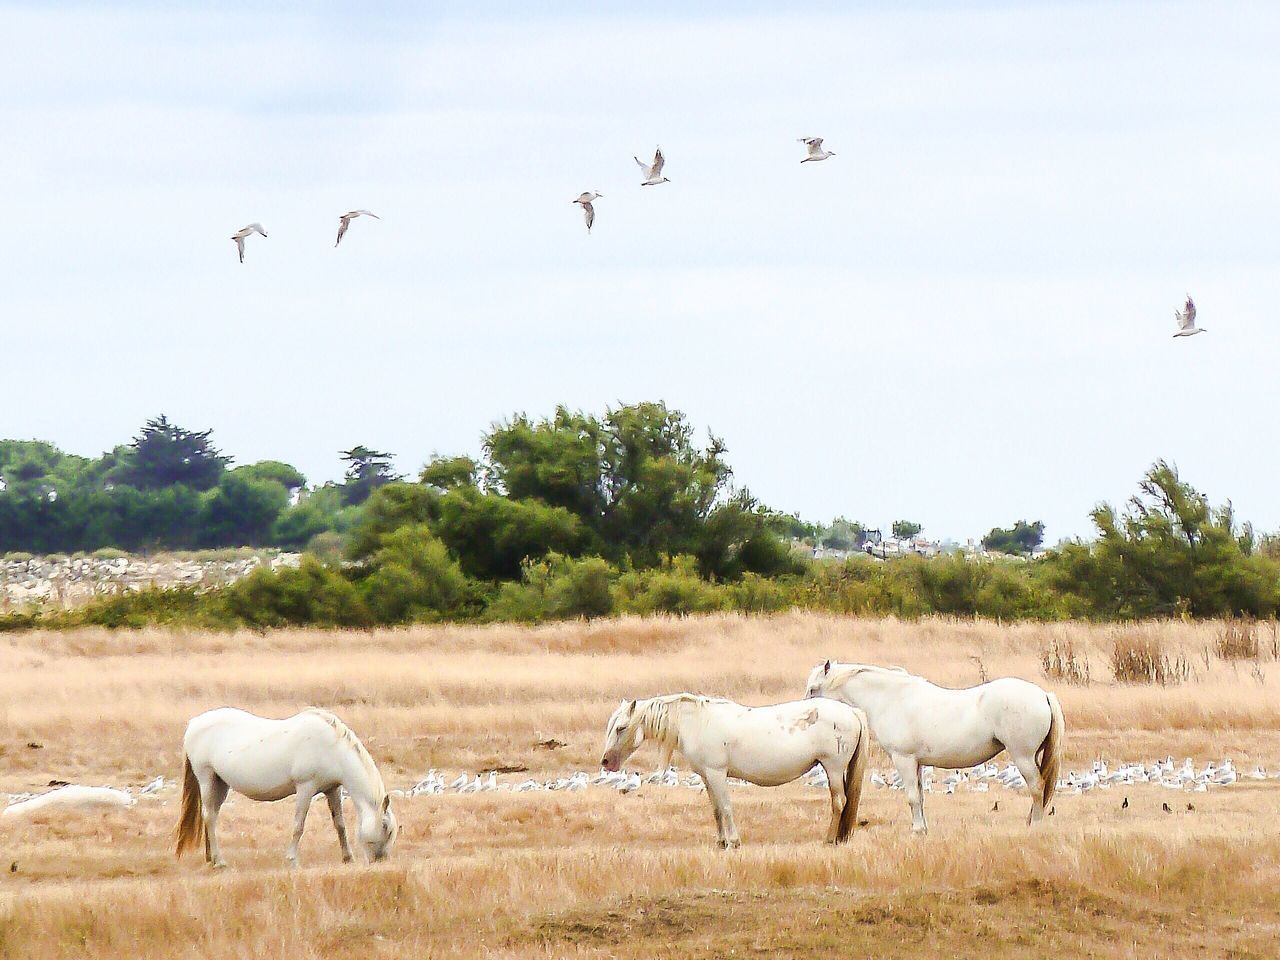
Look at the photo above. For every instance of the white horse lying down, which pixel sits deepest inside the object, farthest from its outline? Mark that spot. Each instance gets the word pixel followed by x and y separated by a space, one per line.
pixel 306 755
pixel 919 723
pixel 766 745
pixel 72 797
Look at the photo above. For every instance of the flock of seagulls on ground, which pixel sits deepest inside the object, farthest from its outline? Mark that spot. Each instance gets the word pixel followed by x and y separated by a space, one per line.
pixel 652 171
pixel 1187 776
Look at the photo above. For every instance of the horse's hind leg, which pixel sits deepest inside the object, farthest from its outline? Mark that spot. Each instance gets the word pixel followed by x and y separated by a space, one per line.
pixel 909 770
pixel 334 797
pixel 213 794
pixel 835 781
pixel 306 793
pixel 1030 770
pixel 718 789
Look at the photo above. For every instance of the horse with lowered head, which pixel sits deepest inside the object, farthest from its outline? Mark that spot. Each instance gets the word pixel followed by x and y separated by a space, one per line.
pixel 919 723
pixel 767 746
pixel 308 754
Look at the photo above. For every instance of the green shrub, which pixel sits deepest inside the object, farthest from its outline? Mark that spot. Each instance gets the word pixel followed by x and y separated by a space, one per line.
pixel 757 594
pixel 557 588
pixel 329 547
pixel 312 594
pixel 413 578
pixel 147 607
pixel 675 587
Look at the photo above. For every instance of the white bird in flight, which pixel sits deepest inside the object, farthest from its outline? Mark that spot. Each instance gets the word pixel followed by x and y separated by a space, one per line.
pixel 346 219
pixel 815 149
pixel 1186 318
pixel 653 171
pixel 243 232
pixel 588 210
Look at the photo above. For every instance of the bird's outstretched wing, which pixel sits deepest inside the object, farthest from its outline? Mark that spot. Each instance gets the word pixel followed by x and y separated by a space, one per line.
pixel 1190 310
pixel 655 171
pixel 589 212
pixel 240 246
pixel 642 165
pixel 815 146
pixel 343 223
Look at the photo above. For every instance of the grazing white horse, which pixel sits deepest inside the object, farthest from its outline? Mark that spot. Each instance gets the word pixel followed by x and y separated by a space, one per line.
pixel 768 746
pixel 308 754
pixel 919 723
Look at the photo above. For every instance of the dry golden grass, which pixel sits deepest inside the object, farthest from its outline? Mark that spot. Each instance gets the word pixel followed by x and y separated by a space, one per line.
pixel 598 874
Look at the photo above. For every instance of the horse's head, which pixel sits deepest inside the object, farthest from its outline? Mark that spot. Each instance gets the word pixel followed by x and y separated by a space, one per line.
pixel 819 680
pixel 622 736
pixel 379 835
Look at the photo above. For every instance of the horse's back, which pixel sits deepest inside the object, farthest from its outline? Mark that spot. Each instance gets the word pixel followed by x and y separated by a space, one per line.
pixel 260 757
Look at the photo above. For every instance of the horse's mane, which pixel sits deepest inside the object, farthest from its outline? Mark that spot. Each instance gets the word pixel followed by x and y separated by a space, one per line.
pixel 654 715
pixel 348 735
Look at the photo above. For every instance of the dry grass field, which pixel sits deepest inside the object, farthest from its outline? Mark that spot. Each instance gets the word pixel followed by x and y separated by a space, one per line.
pixel 598 874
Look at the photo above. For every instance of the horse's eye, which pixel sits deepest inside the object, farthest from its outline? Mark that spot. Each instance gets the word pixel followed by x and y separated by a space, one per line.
pixel 622 727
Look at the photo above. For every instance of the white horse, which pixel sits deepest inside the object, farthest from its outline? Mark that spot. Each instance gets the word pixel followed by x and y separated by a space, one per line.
pixel 306 755
pixel 768 746
pixel 919 723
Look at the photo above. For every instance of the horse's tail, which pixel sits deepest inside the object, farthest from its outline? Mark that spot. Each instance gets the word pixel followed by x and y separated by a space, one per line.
pixel 853 778
pixel 191 823
pixel 1049 757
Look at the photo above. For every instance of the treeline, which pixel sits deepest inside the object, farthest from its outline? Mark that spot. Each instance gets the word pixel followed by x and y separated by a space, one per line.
pixel 584 516
pixel 171 489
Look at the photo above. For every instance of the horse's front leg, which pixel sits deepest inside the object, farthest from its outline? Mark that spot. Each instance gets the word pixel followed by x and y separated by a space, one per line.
pixel 835 782
pixel 717 782
pixel 909 770
pixel 334 797
pixel 306 793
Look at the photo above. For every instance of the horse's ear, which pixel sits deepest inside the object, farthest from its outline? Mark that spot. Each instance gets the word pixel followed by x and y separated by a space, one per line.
pixel 386 804
pixel 826 668
pixel 631 707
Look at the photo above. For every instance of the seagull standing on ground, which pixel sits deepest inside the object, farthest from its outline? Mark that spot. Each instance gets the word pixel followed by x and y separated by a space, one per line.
pixel 243 232
pixel 588 210
pixel 1186 318
pixel 652 171
pixel 346 218
pixel 815 149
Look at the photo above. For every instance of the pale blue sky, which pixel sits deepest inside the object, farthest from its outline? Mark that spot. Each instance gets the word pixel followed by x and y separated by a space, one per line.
pixel 963 318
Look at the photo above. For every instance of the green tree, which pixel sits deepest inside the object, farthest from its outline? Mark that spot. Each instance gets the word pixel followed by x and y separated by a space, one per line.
pixel 288 476
pixel 1021 538
pixel 367 470
pixel 843 535
pixel 492 535
pixel 241 511
pixel 1169 553
pixel 166 455
pixel 446 473
pixel 905 529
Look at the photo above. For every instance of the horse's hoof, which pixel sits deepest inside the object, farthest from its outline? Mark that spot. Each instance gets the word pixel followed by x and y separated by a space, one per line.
pixel 348 859
pixel 218 865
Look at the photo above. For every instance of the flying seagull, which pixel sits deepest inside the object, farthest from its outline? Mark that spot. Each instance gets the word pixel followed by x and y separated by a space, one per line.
pixel 243 232
pixel 346 218
pixel 587 209
pixel 1186 318
pixel 815 149
pixel 653 171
